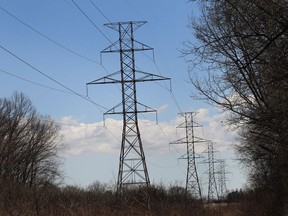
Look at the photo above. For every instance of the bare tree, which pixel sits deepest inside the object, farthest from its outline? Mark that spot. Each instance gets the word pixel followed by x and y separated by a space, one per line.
pixel 29 143
pixel 239 63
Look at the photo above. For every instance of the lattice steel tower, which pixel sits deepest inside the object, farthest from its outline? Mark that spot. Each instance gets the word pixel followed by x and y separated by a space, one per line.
pixel 212 186
pixel 222 187
pixel 132 165
pixel 192 180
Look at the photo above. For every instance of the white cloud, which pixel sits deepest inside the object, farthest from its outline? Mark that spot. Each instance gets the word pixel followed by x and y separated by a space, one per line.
pixel 215 130
pixel 91 143
pixel 162 108
pixel 86 138
pixel 94 138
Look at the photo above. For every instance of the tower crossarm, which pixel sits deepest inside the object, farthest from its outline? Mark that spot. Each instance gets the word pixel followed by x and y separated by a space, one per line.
pixel 141 109
pixel 118 25
pixel 115 47
pixel 140 76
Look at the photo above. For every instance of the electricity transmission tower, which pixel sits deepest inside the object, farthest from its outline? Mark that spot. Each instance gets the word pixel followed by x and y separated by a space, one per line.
pixel 192 180
pixel 132 165
pixel 212 186
pixel 222 188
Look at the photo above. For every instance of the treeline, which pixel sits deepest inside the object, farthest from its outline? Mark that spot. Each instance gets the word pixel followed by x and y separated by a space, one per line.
pixel 239 63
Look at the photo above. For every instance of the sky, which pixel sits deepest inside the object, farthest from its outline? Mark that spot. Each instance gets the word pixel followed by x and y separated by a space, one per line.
pixel 49 50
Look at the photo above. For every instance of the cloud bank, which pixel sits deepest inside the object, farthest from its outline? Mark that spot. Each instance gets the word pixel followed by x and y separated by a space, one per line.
pixel 93 150
pixel 94 138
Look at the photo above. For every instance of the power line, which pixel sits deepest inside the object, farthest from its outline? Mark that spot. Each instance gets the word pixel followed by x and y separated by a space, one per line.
pixel 157 68
pixel 62 46
pixel 48 38
pixel 152 59
pixel 87 17
pixel 54 80
pixel 170 91
pixel 100 11
pixel 166 87
pixel 35 83
pixel 112 43
pixel 68 49
pixel 65 48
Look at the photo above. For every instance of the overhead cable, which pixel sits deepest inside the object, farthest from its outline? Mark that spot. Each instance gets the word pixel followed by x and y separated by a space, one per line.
pixel 100 11
pixel 54 80
pixel 35 83
pixel 48 38
pixel 87 17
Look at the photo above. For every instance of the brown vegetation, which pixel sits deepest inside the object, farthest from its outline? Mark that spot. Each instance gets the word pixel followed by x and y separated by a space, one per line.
pixel 100 199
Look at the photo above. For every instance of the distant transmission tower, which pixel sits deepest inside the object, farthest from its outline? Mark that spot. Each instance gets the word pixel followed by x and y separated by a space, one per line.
pixel 192 180
pixel 212 186
pixel 132 165
pixel 222 188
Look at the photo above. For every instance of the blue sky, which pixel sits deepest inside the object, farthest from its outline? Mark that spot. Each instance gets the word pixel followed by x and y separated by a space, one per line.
pixel 92 151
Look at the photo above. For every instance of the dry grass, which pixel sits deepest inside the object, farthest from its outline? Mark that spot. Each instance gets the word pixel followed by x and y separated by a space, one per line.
pixel 101 200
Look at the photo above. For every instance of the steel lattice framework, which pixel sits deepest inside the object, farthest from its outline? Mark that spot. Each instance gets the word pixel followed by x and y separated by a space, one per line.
pixel 212 186
pixel 222 188
pixel 132 165
pixel 192 180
